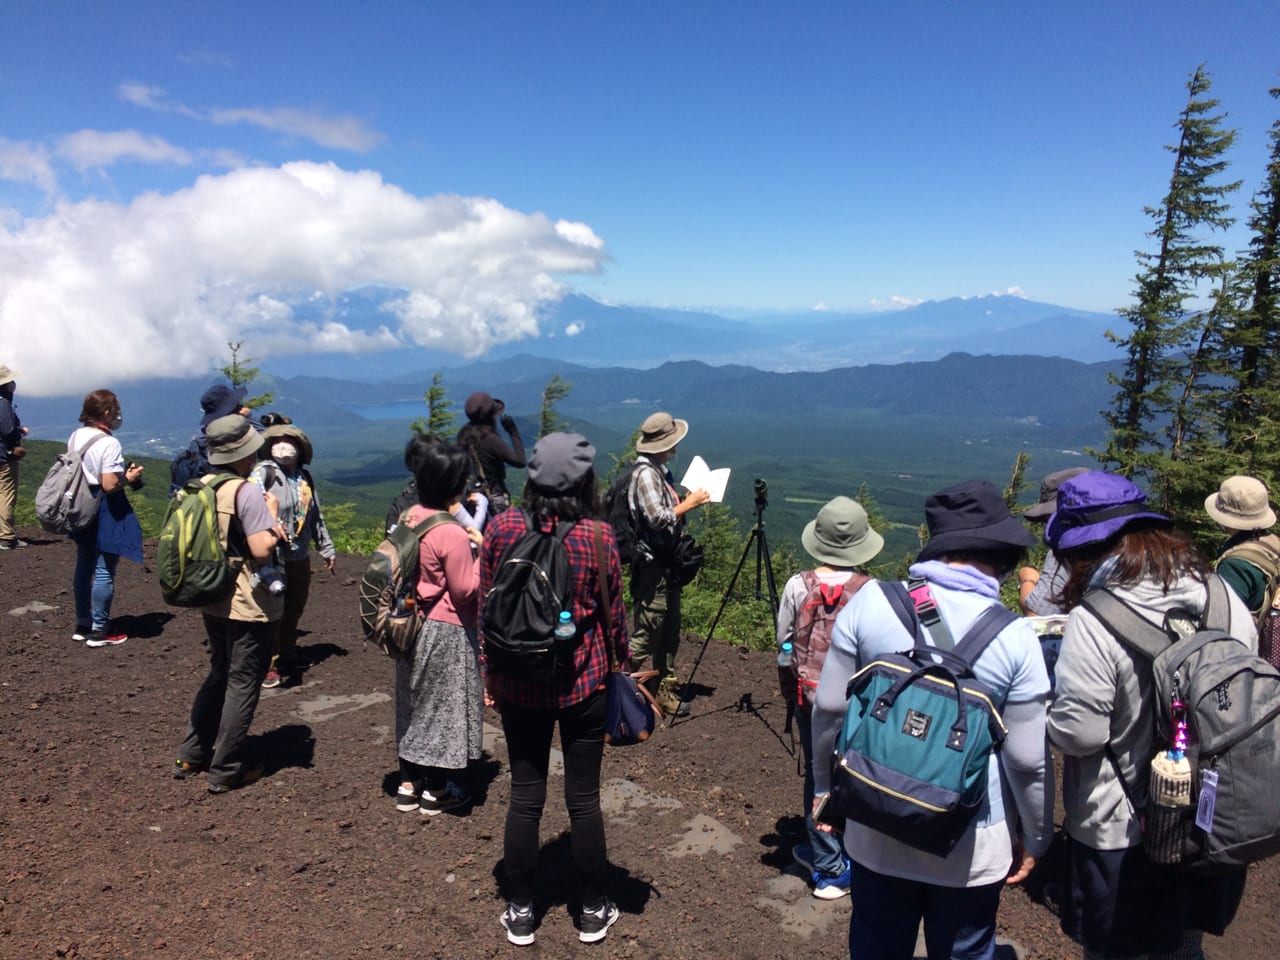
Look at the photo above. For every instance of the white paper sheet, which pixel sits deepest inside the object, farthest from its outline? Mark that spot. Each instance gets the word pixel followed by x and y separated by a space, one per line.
pixel 701 477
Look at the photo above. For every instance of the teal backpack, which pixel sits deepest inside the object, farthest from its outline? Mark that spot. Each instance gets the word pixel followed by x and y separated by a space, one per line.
pixel 912 756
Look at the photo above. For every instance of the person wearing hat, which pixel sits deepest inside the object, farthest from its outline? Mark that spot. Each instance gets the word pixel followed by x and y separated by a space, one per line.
pixel 561 488
pixel 1102 719
pixel 490 454
pixel 974 543
pixel 283 474
pixel 115 532
pixel 219 400
pixel 239 629
pixel 11 452
pixel 1250 559
pixel 840 538
pixel 657 513
pixel 439 696
pixel 1038 587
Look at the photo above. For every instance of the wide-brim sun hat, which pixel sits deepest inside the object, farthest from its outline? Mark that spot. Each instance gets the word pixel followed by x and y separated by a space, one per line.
pixel 231 439
pixel 560 461
pixel 971 517
pixel 660 432
pixel 287 431
pixel 1094 507
pixel 1241 503
pixel 6 375
pixel 220 400
pixel 1049 493
pixel 841 535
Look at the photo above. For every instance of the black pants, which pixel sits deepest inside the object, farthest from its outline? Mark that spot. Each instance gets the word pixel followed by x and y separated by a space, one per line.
pixel 528 733
pixel 432 779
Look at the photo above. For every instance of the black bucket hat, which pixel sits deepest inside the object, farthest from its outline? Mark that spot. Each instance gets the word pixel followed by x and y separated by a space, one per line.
pixel 971 516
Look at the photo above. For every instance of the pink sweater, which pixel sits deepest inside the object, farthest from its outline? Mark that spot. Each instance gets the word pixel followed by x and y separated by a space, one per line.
pixel 448 572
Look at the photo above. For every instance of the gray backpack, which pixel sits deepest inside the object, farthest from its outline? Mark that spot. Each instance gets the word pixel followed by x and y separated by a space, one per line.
pixel 1232 709
pixel 65 502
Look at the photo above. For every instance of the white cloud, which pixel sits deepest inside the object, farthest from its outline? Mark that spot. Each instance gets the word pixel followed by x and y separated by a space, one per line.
pixel 343 132
pixel 573 329
pixel 820 307
pixel 25 162
pixel 340 132
pixel 94 149
pixel 97 293
pixel 896 302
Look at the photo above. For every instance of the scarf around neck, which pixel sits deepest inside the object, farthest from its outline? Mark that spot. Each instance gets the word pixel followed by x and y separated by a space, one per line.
pixel 964 578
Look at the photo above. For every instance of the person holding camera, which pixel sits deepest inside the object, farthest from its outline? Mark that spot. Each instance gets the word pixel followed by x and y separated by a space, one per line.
pixel 490 454
pixel 11 451
pixel 657 513
pixel 115 532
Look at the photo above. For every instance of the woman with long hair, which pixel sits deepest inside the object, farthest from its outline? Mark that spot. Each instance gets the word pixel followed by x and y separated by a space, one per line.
pixel 561 488
pixel 490 454
pixel 439 698
pixel 115 532
pixel 1117 904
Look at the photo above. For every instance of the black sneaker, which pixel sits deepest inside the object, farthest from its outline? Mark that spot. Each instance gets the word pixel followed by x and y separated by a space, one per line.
pixel 407 798
pixel 520 923
pixel 595 923
pixel 242 779
pixel 185 769
pixel 449 798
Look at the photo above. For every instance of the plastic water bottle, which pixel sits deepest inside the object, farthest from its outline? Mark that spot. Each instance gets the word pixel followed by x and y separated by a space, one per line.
pixel 784 655
pixel 787 682
pixel 565 629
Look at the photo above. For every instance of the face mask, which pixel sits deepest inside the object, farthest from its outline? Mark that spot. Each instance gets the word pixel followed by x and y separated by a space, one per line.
pixel 283 452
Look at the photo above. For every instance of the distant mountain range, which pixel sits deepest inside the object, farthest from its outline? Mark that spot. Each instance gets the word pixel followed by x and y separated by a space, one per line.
pixel 581 330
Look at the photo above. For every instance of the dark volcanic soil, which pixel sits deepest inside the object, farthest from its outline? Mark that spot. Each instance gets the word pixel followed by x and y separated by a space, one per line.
pixel 103 854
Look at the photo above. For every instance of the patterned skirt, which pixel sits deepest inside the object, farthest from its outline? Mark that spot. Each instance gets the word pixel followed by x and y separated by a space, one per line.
pixel 439 698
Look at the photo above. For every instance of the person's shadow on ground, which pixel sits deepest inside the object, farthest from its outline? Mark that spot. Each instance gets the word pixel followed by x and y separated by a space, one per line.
pixel 292 745
pixel 146 626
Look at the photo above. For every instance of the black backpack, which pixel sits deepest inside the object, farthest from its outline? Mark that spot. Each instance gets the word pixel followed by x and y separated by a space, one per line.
pixel 617 513
pixel 531 586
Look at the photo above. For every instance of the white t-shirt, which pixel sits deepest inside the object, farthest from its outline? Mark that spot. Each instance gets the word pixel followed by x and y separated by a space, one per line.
pixel 105 456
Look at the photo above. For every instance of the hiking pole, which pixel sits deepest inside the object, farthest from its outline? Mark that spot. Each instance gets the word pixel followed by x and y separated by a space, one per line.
pixel 764 565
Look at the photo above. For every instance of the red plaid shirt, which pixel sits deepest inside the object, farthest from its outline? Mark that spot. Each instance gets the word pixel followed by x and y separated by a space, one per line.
pixel 591 658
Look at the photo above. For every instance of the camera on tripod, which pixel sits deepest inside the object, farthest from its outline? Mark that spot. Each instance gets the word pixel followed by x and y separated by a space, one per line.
pixel 762 494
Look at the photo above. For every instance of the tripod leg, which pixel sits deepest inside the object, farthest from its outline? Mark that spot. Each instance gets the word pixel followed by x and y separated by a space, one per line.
pixel 724 602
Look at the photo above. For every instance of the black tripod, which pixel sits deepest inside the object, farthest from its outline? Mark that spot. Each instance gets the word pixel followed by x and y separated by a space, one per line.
pixel 764 565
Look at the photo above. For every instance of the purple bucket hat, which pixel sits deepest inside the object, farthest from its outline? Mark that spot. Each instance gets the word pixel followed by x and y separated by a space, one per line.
pixel 1093 507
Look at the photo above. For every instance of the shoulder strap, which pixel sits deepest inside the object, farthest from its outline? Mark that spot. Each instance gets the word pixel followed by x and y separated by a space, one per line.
pixel 900 602
pixel 442 516
pixel 1217 605
pixel 606 608
pixel 984 630
pixel 85 449
pixel 1130 628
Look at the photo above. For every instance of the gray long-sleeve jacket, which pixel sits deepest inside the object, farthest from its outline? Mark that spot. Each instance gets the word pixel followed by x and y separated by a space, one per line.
pixel 1104 697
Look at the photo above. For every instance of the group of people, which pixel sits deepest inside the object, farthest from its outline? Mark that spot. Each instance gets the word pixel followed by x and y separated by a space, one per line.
pixel 443 685
pixel 1099 712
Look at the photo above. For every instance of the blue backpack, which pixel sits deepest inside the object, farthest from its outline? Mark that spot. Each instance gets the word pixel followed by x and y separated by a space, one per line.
pixel 913 753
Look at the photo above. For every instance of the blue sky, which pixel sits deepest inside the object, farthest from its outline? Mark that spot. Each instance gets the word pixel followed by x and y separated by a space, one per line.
pixel 746 154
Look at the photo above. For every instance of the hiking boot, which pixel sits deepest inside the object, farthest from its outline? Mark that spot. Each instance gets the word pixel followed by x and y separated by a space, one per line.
pixel 407 798
pixel 271 680
pixel 519 922
pixel 668 698
pixel 12 544
pixel 184 769
pixel 829 887
pixel 242 779
pixel 595 923
pixel 450 798
pixel 101 638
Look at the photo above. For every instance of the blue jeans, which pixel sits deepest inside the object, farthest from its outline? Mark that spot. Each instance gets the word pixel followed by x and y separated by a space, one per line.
pixel 828 850
pixel 94 580
pixel 959 922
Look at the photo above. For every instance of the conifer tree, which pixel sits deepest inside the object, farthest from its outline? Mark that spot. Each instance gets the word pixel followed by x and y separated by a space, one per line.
pixel 1252 415
pixel 1162 334
pixel 240 373
pixel 549 421
pixel 440 416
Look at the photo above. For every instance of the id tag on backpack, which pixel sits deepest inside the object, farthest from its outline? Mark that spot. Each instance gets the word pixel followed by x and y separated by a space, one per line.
pixel 1208 797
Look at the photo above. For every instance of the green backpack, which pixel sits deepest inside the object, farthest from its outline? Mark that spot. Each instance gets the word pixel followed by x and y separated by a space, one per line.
pixel 191 560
